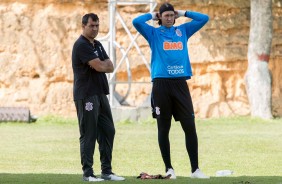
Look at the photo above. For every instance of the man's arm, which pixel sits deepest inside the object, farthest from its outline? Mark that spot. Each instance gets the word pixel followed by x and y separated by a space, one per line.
pixel 105 66
pixel 198 21
pixel 142 27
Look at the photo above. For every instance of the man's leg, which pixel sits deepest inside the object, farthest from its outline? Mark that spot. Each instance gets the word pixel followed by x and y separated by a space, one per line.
pixel 87 112
pixel 161 106
pixel 106 134
pixel 163 138
pixel 183 110
pixel 188 126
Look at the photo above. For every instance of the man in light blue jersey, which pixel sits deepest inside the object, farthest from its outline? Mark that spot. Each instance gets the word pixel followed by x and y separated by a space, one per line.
pixel 170 68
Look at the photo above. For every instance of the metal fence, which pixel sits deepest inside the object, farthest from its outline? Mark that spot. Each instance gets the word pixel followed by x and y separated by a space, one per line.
pixel 112 46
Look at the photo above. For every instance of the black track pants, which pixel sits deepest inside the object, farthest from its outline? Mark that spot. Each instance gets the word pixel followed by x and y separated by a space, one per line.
pixel 95 123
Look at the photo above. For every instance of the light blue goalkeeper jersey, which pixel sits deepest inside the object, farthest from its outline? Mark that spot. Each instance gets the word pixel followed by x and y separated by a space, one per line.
pixel 170 57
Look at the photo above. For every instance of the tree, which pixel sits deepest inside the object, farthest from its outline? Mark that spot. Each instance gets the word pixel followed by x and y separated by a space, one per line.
pixel 258 77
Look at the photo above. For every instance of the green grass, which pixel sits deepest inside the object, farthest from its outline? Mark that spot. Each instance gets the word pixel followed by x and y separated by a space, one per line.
pixel 48 151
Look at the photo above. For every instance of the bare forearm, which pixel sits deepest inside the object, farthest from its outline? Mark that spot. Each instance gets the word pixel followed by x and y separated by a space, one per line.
pixel 105 66
pixel 109 67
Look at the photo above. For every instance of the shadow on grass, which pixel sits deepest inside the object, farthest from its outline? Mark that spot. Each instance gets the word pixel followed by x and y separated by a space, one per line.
pixel 77 178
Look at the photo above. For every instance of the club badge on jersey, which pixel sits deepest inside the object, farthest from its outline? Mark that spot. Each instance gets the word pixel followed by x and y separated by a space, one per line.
pixel 88 106
pixel 158 112
pixel 178 32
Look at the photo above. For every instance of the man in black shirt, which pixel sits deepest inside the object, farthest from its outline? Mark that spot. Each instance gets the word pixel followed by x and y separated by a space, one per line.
pixel 90 62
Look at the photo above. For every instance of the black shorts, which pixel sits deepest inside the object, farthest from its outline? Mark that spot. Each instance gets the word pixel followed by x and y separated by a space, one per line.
pixel 171 97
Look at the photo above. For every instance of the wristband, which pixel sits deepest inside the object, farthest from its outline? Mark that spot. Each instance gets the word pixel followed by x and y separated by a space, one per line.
pixel 154 16
pixel 181 13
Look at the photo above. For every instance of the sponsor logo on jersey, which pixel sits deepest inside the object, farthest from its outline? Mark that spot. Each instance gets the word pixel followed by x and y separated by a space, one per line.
pixel 175 70
pixel 96 53
pixel 172 45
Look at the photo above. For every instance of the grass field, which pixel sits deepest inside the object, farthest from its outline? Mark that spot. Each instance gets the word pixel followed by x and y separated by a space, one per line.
pixel 48 151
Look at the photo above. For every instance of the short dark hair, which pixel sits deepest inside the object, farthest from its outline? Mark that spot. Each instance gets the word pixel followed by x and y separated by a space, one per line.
pixel 93 16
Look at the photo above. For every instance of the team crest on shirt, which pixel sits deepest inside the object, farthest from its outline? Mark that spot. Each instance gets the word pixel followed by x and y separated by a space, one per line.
pixel 178 32
pixel 88 106
pixel 158 112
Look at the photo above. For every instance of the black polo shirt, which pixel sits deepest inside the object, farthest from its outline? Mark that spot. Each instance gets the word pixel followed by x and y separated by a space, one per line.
pixel 87 81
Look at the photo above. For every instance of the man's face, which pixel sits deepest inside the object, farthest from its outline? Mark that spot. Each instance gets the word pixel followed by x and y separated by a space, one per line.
pixel 91 29
pixel 168 18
